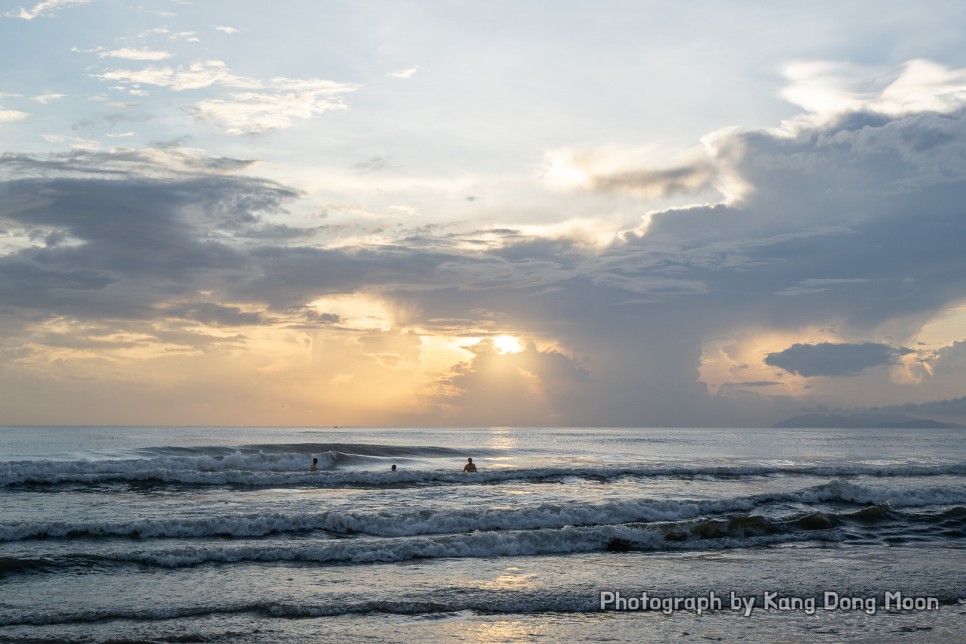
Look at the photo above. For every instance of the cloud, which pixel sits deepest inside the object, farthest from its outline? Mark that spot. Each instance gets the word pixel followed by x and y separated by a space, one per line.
pixel 828 89
pixel 136 54
pixel 529 387
pixel 848 234
pixel 827 359
pixel 657 183
pixel 227 30
pixel 950 408
pixel 264 106
pixel 613 169
pixel 48 6
pixel 214 314
pixel 849 224
pixel 73 141
pixel 293 276
pixel 850 220
pixel 405 73
pixel 810 286
pixel 941 368
pixel 287 99
pixel 143 222
pixel 838 98
pixel 47 98
pixel 842 249
pixel 374 164
pixel 196 75
pixel 7 116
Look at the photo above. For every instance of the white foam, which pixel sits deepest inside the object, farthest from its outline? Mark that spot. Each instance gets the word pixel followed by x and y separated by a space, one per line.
pixel 551 515
pixel 402 524
pixel 263 469
pixel 506 543
pixel 893 495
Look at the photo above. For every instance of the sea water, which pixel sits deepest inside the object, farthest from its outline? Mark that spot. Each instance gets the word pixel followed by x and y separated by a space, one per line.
pixel 224 535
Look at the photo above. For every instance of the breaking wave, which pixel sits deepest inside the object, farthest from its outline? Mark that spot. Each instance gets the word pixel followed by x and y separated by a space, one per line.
pixel 368 465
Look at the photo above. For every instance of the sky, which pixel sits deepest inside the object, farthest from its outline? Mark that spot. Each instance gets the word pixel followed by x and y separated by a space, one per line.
pixel 448 213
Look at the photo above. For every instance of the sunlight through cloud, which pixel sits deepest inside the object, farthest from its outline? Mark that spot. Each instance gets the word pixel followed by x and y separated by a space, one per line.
pixel 507 344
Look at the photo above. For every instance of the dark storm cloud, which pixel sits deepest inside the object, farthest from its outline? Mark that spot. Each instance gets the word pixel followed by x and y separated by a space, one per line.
pixel 564 252
pixel 313 317
pixel 130 234
pixel 215 314
pixel 125 223
pixel 827 359
pixel 277 233
pixel 291 276
pixel 852 224
pixel 874 214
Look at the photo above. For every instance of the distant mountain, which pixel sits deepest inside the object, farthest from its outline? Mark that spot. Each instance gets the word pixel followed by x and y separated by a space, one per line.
pixel 862 420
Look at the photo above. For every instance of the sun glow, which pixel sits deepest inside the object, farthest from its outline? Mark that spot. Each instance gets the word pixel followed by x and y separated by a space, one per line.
pixel 944 329
pixel 507 344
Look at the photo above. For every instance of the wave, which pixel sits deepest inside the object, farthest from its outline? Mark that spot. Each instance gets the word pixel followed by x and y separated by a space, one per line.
pixel 734 531
pixel 383 524
pixel 183 464
pixel 258 466
pixel 550 515
pixel 737 532
pixel 896 495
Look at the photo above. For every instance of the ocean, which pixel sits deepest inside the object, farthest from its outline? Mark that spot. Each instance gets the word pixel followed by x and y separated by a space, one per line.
pixel 212 534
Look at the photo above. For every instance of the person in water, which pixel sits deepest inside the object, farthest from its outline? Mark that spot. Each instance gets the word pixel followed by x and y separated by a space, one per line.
pixel 470 466
pixel 315 465
pixel 393 468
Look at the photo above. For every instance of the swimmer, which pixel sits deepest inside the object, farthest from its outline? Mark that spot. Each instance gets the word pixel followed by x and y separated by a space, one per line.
pixel 470 466
pixel 315 465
